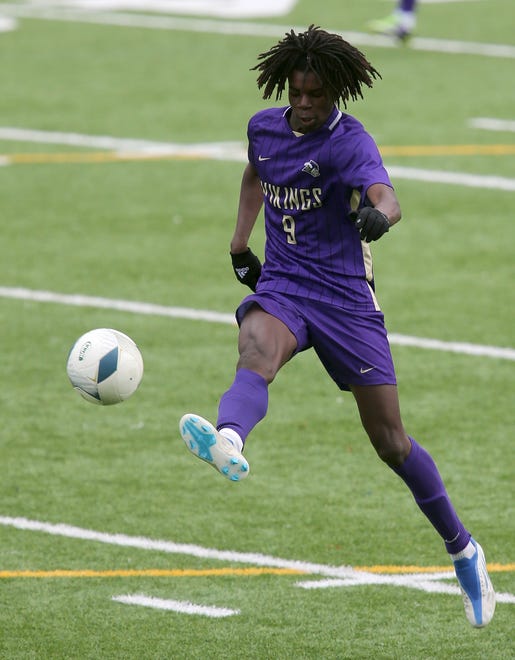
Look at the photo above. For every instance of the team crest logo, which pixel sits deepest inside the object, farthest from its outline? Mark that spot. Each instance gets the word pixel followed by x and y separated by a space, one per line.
pixel 311 167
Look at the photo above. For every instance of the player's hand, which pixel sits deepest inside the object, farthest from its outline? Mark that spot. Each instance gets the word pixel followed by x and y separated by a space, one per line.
pixel 247 268
pixel 372 224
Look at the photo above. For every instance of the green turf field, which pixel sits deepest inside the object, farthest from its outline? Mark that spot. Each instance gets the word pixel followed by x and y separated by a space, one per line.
pixel 114 541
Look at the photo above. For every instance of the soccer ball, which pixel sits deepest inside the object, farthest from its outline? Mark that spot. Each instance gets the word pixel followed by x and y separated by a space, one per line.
pixel 105 366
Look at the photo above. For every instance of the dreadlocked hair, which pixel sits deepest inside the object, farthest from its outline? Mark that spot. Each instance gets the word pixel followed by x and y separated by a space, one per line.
pixel 339 65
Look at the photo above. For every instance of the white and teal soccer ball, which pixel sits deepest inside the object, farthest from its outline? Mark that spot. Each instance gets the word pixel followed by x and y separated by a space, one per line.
pixel 105 366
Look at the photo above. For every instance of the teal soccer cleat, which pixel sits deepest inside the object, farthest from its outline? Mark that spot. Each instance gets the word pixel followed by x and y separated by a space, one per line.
pixel 477 589
pixel 204 441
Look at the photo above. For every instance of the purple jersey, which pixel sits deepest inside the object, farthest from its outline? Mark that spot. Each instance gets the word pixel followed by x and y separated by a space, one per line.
pixel 310 184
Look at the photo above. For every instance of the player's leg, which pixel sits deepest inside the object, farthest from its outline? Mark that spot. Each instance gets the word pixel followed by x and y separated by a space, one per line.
pixel 265 343
pixel 379 410
pixel 407 5
pixel 400 23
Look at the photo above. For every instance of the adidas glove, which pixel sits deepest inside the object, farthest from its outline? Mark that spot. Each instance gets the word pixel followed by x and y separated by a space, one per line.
pixel 372 224
pixel 247 268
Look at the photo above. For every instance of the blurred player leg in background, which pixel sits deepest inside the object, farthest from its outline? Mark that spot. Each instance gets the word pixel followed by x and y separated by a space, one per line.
pixel 400 23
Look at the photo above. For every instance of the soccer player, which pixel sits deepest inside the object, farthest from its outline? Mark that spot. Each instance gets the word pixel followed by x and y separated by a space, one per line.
pixel 400 23
pixel 326 196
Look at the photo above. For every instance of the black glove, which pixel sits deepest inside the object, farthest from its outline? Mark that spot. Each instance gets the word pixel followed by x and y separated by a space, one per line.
pixel 247 268
pixel 372 224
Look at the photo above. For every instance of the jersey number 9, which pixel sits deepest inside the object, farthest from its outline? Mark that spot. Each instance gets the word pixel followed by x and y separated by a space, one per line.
pixel 289 228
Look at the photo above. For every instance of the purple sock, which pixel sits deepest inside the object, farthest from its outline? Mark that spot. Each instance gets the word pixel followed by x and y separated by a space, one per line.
pixel 407 5
pixel 421 475
pixel 244 404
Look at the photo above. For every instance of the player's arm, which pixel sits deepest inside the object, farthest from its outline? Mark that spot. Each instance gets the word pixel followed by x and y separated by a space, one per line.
pixel 251 200
pixel 374 221
pixel 246 265
pixel 385 200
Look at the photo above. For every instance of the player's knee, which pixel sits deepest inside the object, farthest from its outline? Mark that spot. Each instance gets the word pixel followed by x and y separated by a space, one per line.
pixel 254 360
pixel 265 357
pixel 392 449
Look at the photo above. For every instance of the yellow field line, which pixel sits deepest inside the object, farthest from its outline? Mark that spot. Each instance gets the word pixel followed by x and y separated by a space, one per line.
pixel 114 156
pixel 450 150
pixel 187 572
pixel 93 157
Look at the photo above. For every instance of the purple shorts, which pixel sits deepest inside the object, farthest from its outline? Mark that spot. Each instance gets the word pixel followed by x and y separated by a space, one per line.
pixel 352 346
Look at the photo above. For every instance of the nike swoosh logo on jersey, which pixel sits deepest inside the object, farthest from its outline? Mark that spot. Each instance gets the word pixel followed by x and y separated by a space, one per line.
pixel 262 158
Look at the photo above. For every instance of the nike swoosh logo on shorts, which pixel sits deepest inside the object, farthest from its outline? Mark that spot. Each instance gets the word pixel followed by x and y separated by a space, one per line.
pixel 262 158
pixel 365 371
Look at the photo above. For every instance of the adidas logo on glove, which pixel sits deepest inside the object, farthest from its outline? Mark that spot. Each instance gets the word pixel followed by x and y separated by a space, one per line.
pixel 242 272
pixel 247 268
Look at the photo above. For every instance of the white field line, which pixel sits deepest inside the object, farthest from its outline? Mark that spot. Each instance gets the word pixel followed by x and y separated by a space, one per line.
pixel 452 178
pixel 444 2
pixel 346 575
pixel 490 124
pixel 134 307
pixel 228 151
pixel 215 150
pixel 430 583
pixel 144 543
pixel 175 605
pixel 453 346
pixel 246 29
pixel 224 8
